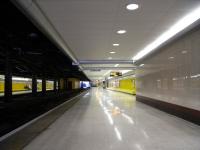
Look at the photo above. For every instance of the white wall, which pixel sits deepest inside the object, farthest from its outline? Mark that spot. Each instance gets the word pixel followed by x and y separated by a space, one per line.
pixel 174 80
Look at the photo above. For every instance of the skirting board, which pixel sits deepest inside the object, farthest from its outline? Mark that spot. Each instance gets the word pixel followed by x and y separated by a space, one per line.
pixel 188 114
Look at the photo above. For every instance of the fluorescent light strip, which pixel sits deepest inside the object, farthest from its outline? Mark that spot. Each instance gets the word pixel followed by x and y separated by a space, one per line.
pixel 125 71
pixel 21 79
pixel 109 78
pixel 176 28
pixel 116 65
pixel 2 77
pixel 115 44
pixel 106 72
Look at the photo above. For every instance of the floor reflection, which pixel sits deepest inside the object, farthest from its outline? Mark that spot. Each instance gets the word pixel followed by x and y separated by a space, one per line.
pixel 111 110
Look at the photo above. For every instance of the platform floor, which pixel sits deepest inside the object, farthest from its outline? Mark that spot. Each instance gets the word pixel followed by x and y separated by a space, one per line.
pixel 106 120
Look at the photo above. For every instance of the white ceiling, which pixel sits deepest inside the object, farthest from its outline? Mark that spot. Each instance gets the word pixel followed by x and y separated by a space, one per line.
pixel 89 26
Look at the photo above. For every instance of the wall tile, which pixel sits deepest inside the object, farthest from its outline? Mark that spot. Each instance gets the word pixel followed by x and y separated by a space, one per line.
pixel 173 74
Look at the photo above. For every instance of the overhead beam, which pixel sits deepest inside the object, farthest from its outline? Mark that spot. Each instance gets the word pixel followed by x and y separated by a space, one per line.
pixel 108 68
pixel 82 62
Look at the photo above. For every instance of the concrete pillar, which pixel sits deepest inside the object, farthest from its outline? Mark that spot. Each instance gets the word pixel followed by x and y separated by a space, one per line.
pixel 43 85
pixel 34 85
pixel 8 80
pixel 54 85
pixel 62 84
pixel 58 84
pixel 73 83
pixel 65 84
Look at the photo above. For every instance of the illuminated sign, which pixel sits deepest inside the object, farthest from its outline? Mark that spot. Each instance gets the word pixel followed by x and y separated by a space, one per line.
pixel 115 74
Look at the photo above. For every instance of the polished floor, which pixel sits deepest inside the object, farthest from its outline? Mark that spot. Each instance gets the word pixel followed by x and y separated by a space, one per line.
pixel 108 120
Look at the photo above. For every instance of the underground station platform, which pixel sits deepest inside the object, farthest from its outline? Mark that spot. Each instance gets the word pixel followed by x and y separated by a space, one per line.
pixel 99 75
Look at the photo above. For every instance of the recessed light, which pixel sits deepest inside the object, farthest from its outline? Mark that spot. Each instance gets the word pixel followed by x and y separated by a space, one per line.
pixel 109 57
pixel 116 44
pixel 184 52
pixel 132 6
pixel 121 31
pixel 171 58
pixel 112 52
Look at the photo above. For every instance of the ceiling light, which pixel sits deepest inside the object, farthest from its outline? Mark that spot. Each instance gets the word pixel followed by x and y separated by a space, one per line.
pixel 141 65
pixel 121 31
pixel 171 58
pixel 125 71
pixel 116 44
pixel 109 78
pixel 112 52
pixel 109 57
pixel 19 78
pixel 107 72
pixel 116 65
pixel 173 30
pixel 132 6
pixel 184 52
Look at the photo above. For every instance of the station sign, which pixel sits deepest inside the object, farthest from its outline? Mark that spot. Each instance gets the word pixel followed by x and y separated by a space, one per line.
pixel 115 73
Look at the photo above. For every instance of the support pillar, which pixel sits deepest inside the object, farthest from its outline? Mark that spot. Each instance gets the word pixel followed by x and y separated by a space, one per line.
pixel 58 84
pixel 54 85
pixel 43 85
pixel 65 84
pixel 8 80
pixel 34 85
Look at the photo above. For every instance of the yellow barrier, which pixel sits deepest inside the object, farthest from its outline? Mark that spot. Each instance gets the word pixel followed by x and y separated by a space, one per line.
pixel 17 86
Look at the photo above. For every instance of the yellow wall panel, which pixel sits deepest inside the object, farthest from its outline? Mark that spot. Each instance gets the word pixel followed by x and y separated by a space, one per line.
pixel 1 86
pixel 39 86
pixel 17 86
pixel 126 86
pixel 49 86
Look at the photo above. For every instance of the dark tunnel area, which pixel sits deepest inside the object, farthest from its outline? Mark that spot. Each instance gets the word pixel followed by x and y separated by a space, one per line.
pixel 25 52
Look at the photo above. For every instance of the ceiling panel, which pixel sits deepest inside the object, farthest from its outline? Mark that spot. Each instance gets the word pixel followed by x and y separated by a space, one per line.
pixel 89 26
